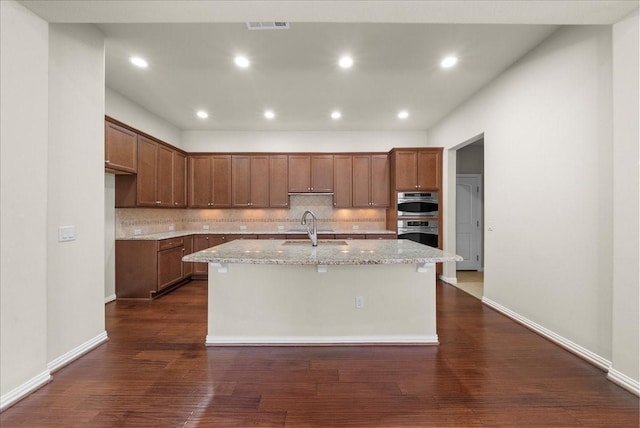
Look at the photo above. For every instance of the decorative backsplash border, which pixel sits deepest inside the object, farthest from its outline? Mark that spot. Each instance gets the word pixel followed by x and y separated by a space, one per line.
pixel 132 221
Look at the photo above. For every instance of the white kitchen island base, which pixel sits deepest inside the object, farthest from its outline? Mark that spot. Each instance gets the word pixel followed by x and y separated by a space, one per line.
pixel 275 304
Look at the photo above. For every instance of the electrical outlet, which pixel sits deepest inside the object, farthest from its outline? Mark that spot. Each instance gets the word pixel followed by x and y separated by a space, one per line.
pixel 172 228
pixel 205 227
pixel 137 232
pixel 280 228
pixel 356 227
pixel 359 302
pixel 243 227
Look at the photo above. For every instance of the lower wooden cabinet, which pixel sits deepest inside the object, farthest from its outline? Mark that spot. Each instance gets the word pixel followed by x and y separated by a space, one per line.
pixel 202 242
pixel 144 269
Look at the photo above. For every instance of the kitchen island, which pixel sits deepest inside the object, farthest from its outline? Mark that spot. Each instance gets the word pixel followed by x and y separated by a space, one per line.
pixel 288 292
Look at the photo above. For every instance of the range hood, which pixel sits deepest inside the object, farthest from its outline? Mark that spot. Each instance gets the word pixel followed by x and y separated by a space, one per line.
pixel 310 193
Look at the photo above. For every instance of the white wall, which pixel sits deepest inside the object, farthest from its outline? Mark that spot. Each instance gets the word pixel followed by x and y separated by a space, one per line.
pixel 109 237
pixel 75 270
pixel 318 141
pixel 121 108
pixel 626 255
pixel 23 193
pixel 548 177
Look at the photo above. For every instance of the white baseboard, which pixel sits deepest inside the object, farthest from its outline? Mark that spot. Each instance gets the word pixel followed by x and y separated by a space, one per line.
pixel 77 352
pixel 449 280
pixel 321 340
pixel 109 299
pixel 584 353
pixel 17 394
pixel 624 381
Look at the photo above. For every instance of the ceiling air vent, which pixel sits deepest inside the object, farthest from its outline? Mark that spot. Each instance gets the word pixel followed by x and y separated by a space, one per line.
pixel 268 25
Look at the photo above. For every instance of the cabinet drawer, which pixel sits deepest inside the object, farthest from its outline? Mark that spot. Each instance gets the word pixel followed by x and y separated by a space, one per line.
pixel 165 244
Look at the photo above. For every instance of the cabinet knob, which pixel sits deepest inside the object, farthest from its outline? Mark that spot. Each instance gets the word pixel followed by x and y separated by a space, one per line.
pixel 175 203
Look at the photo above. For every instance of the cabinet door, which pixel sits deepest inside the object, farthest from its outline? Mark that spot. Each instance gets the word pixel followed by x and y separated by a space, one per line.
pixel 406 170
pixel 221 181
pixel 379 181
pixel 343 169
pixel 361 180
pixel 299 173
pixel 259 181
pixel 240 181
pixel 322 173
pixel 429 174
pixel 201 242
pixel 278 181
pixel 169 266
pixel 147 172
pixel 187 267
pixel 164 177
pixel 179 180
pixel 120 148
pixel 200 181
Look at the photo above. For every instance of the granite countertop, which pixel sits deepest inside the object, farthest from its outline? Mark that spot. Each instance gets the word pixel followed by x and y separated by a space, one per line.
pixel 181 233
pixel 328 252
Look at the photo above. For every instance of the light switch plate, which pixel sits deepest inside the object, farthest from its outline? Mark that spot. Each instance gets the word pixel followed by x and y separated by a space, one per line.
pixel 66 233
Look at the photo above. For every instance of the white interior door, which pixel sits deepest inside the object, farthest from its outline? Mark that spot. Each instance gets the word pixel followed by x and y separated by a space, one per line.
pixel 468 221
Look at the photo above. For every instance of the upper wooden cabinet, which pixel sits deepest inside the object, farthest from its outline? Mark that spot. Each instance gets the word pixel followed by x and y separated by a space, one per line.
pixel 250 181
pixel 159 180
pixel 371 181
pixel 278 181
pixel 361 180
pixel 311 173
pixel 120 148
pixel 343 184
pixel 419 169
pixel 209 181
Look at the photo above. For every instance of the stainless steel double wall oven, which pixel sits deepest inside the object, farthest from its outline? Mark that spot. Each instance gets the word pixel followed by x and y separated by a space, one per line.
pixel 418 217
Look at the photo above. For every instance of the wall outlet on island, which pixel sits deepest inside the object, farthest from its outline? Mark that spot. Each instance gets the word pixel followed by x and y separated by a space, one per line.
pixel 205 227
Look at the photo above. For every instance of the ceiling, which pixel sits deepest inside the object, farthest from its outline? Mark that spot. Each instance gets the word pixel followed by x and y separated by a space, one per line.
pixel 294 72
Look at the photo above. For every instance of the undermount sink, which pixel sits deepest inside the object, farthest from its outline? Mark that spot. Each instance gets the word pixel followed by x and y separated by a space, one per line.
pixel 322 242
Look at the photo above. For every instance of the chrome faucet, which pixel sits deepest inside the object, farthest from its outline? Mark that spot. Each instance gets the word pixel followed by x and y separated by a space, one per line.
pixel 313 233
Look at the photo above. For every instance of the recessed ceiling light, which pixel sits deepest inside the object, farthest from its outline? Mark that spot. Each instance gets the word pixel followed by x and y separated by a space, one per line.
pixel 269 114
pixel 336 115
pixel 449 62
pixel 403 114
pixel 202 114
pixel 139 62
pixel 345 62
pixel 241 61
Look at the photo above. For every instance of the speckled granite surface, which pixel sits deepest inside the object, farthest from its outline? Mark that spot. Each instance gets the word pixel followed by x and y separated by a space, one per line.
pixel 336 252
pixel 178 234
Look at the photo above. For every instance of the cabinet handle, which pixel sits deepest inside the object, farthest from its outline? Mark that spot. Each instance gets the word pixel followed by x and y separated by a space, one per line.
pixel 175 203
pixel 157 202
pixel 107 161
pixel 183 250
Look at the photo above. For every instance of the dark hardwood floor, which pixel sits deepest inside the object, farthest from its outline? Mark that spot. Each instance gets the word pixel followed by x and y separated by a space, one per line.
pixel 488 371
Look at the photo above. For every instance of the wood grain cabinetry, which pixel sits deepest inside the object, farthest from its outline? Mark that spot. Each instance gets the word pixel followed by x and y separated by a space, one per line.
pixel 146 269
pixel 209 181
pixel 371 181
pixel 343 181
pixel 278 181
pixel 311 173
pixel 120 149
pixel 419 169
pixel 159 180
pixel 250 181
pixel 361 181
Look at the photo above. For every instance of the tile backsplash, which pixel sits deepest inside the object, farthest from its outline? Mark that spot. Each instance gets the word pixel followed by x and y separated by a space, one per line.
pixel 153 220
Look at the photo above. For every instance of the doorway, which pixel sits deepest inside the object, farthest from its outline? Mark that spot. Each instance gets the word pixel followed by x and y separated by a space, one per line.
pixel 469 209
